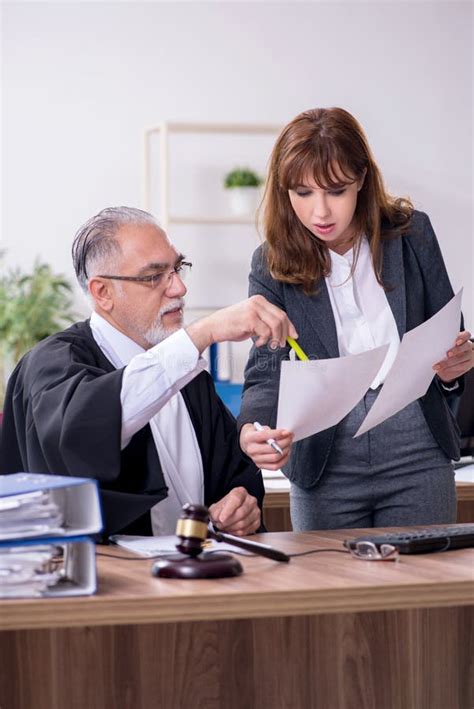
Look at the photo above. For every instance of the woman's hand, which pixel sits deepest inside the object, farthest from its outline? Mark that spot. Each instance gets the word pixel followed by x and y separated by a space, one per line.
pixel 459 360
pixel 254 444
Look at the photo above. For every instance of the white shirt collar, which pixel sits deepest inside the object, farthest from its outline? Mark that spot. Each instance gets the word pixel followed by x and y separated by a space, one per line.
pixel 341 264
pixel 117 347
pixel 348 256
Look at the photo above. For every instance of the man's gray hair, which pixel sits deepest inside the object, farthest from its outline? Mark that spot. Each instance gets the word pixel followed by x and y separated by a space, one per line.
pixel 95 246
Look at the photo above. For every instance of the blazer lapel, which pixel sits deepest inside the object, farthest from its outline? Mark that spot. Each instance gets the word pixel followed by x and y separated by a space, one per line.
pixel 320 339
pixel 393 278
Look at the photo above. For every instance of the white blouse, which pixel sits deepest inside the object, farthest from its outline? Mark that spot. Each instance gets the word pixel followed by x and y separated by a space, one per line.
pixel 363 316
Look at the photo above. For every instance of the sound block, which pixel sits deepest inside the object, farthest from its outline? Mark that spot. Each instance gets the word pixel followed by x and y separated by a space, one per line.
pixel 205 566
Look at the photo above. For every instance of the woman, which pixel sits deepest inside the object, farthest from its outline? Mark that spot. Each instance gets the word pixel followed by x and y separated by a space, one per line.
pixel 353 268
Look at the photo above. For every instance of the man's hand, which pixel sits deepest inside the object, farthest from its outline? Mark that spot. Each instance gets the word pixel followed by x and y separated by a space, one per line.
pixel 254 444
pixel 237 513
pixel 254 317
pixel 459 360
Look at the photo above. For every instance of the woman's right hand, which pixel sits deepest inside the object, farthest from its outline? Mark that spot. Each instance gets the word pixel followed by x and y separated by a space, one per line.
pixel 254 444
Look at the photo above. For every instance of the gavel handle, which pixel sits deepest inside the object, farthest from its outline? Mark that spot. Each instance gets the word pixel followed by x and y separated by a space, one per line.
pixel 254 547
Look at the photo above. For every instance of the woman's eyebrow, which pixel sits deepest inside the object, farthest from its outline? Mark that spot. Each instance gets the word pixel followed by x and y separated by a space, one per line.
pixel 334 186
pixel 337 186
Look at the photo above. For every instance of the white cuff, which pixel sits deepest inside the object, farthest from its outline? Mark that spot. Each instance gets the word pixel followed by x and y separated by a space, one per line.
pixel 177 354
pixel 449 387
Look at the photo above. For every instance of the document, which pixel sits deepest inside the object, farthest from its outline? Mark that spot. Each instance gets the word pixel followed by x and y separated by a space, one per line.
pixel 465 474
pixel 162 546
pixel 45 549
pixel 27 571
pixel 40 505
pixel 412 371
pixel 276 484
pixel 317 394
pixel 30 514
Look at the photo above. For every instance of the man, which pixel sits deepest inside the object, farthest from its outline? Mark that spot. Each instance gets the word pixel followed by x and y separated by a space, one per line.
pixel 123 397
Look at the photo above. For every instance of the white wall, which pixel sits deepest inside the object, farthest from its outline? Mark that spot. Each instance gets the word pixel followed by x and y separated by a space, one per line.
pixel 82 80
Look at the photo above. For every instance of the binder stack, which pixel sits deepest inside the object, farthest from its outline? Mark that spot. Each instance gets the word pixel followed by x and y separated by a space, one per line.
pixel 46 523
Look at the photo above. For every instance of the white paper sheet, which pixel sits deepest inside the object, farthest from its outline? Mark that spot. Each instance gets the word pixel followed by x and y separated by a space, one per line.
pixel 317 394
pixel 272 474
pixel 161 546
pixel 465 475
pixel 412 371
pixel 277 485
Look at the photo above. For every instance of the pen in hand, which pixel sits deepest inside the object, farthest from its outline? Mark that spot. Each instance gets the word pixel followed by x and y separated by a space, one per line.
pixel 271 441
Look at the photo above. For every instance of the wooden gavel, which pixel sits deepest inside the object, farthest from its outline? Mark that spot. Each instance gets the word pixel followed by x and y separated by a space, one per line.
pixel 193 530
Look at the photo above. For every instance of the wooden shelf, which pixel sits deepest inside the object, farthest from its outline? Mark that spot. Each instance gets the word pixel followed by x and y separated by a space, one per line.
pixel 246 128
pixel 164 130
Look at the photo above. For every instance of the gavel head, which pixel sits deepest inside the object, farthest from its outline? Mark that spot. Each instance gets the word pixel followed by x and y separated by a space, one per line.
pixel 191 529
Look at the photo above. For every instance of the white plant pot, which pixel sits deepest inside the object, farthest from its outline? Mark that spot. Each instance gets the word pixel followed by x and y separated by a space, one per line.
pixel 244 200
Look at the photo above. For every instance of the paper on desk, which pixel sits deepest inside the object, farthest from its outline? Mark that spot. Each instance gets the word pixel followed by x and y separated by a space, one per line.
pixel 412 371
pixel 277 484
pixel 161 546
pixel 464 475
pixel 317 394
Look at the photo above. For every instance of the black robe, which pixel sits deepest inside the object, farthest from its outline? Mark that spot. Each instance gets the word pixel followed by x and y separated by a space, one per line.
pixel 62 415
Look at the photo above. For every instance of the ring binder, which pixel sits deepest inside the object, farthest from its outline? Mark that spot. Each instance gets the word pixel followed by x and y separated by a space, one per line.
pixel 45 523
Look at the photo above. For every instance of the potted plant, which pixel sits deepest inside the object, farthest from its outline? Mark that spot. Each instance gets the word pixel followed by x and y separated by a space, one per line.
pixel 32 306
pixel 243 185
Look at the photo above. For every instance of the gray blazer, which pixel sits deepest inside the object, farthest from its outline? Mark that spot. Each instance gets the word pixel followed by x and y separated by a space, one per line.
pixel 417 287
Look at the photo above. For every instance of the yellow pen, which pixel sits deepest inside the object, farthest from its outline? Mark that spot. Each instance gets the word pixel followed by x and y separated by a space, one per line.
pixel 295 346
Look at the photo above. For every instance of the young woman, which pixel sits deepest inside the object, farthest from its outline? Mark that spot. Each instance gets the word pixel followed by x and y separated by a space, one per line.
pixel 353 268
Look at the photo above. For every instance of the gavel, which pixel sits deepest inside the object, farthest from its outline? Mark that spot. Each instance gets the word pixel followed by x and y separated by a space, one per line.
pixel 193 530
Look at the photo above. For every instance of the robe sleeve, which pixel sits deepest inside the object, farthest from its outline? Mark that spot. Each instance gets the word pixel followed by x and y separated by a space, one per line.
pixel 62 416
pixel 72 412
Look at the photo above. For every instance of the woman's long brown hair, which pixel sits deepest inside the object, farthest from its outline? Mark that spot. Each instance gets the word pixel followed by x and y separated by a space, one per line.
pixel 327 144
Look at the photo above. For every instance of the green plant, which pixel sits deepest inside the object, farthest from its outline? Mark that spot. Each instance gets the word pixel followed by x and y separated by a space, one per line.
pixel 242 177
pixel 32 306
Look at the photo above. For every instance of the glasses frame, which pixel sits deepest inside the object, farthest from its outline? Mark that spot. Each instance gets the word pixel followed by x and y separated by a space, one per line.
pixel 175 271
pixel 368 551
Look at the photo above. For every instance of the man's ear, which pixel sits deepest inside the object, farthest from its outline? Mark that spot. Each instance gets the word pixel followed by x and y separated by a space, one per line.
pixel 102 293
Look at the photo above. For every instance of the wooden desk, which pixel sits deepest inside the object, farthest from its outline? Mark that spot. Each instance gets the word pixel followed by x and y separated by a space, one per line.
pixel 276 507
pixel 325 631
pixel 465 494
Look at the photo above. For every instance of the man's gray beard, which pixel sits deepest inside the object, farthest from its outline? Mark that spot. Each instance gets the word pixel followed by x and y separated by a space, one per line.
pixel 158 332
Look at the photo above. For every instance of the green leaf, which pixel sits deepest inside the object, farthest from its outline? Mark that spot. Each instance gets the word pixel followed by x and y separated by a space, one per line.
pixel 242 177
pixel 32 306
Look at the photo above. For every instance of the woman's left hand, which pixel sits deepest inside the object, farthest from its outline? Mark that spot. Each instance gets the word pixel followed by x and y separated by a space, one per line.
pixel 459 360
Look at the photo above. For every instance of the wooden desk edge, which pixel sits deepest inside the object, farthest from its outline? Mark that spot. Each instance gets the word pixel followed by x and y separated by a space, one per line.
pixel 103 610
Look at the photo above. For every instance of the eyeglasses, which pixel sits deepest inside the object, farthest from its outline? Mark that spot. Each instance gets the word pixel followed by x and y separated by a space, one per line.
pixel 368 551
pixel 163 280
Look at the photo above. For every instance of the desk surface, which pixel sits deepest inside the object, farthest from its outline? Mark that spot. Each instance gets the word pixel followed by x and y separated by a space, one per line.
pixel 320 583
